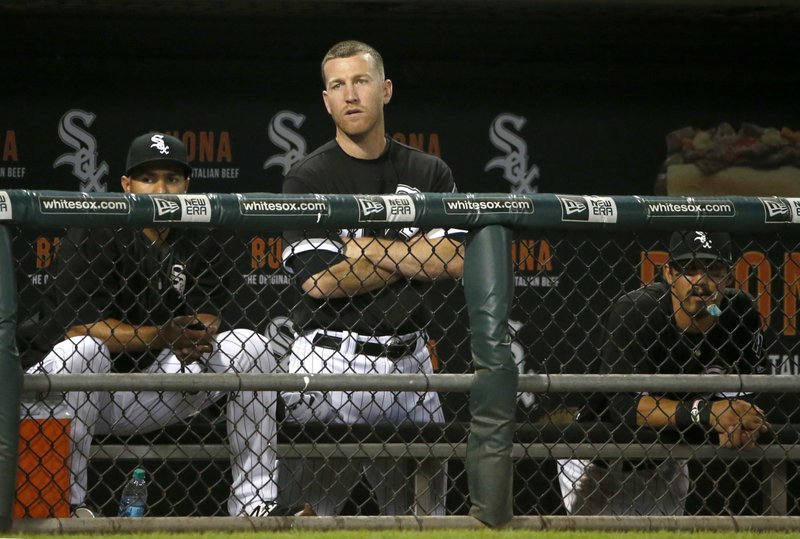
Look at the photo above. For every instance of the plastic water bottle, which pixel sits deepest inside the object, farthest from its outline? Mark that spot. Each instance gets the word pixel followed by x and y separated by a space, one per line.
pixel 133 502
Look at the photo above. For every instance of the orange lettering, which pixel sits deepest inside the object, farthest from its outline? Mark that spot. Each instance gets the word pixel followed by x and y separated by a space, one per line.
pixel 224 149
pixel 43 252
pixel 522 254
pixel 190 141
pixel 763 277
pixel 545 259
pixel 433 145
pixel 791 291
pixel 206 146
pixel 275 252
pixel 530 255
pixel 417 140
pixel 651 262
pixel 258 253
pixel 266 253
pixel 10 146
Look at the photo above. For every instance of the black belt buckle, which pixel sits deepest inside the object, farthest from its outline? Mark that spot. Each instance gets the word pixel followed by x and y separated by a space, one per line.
pixel 327 341
pixel 396 348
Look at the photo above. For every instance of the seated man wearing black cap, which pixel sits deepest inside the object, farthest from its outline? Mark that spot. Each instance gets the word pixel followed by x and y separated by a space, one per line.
pixel 148 301
pixel 688 324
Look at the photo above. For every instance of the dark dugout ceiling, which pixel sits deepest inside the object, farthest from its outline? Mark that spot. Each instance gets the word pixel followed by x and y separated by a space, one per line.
pixel 497 34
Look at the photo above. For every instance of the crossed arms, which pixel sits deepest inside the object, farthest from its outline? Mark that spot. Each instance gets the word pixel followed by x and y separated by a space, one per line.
pixel 372 263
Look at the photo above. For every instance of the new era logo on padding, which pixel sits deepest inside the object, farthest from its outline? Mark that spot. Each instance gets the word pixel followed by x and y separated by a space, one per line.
pixel 164 207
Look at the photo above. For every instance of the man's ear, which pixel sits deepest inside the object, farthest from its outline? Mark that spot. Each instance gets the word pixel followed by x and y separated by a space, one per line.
pixel 666 273
pixel 126 184
pixel 325 100
pixel 387 91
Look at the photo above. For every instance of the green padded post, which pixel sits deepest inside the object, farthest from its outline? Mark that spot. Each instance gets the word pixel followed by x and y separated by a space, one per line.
pixel 10 382
pixel 489 291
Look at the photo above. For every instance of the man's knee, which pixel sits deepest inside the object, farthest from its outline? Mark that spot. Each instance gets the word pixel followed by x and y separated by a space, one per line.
pixel 77 355
pixel 246 350
pixel 307 406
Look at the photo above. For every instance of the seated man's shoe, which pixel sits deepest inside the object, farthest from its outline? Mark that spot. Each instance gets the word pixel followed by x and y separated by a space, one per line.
pixel 273 509
pixel 81 511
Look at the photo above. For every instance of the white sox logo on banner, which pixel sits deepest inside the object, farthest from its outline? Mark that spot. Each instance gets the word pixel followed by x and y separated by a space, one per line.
pixel 293 144
pixel 84 159
pixel 515 161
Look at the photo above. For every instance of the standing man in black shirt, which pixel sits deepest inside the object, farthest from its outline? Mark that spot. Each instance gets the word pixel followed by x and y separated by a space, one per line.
pixel 688 324
pixel 149 301
pixel 362 309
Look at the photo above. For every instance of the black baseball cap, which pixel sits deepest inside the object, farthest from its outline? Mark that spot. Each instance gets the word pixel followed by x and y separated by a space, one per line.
pixel 154 148
pixel 699 245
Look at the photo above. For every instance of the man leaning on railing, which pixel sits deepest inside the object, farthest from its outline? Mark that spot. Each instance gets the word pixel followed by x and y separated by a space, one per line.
pixel 688 324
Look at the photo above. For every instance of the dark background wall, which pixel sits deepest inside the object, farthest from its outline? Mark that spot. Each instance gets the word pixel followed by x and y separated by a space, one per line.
pixel 599 83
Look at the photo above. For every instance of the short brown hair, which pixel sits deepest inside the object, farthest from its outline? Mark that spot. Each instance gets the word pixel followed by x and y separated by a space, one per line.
pixel 346 49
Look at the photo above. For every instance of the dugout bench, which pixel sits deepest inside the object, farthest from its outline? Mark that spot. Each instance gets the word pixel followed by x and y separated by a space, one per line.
pixel 178 445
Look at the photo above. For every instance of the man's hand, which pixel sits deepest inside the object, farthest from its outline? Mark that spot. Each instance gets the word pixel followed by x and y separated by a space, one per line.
pixel 189 337
pixel 739 423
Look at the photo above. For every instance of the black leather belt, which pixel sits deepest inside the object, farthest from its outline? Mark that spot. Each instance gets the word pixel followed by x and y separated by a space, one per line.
pixel 630 465
pixel 393 350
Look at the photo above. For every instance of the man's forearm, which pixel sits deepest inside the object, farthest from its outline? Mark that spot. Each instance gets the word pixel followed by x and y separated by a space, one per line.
pixel 655 413
pixel 419 258
pixel 119 336
pixel 348 278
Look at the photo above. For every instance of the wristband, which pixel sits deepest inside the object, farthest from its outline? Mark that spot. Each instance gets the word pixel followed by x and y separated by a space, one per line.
pixel 698 412
pixel 701 412
pixel 683 416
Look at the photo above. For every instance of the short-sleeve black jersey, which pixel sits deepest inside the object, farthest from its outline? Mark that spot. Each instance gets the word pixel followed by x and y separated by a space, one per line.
pixel 642 338
pixel 395 309
pixel 121 274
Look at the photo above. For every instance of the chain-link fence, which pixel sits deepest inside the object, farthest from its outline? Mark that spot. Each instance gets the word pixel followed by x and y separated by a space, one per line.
pixel 585 302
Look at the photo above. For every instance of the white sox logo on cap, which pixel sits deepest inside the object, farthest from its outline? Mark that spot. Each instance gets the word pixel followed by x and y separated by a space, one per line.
pixel 159 144
pixel 704 240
